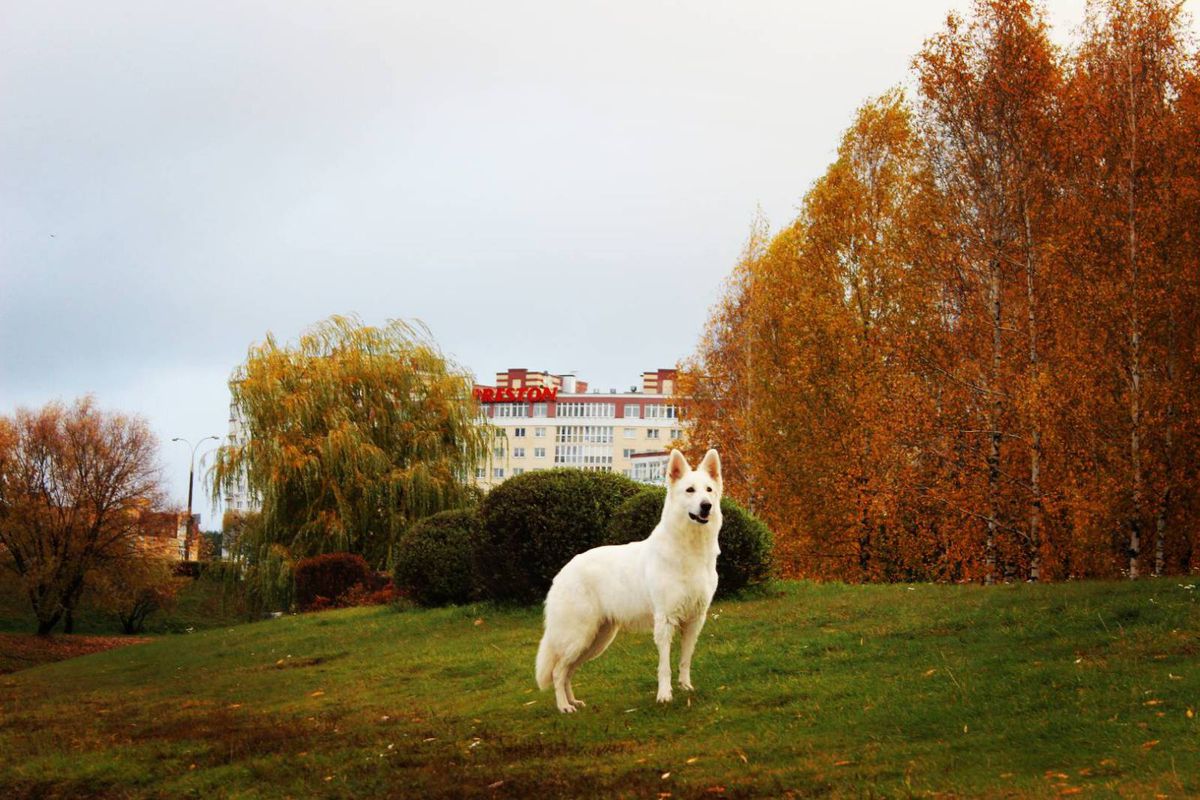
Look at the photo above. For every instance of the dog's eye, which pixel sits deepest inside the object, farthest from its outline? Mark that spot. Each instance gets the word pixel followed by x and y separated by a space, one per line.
pixel 710 488
pixel 691 489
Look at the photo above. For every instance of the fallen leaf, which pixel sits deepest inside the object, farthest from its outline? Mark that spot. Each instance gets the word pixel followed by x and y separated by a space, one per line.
pixel 1068 790
pixel 1152 703
pixel 693 759
pixel 1191 713
pixel 929 672
pixel 842 763
pixel 1149 744
pixel 531 702
pixel 479 621
pixel 317 693
pixel 666 775
pixel 495 785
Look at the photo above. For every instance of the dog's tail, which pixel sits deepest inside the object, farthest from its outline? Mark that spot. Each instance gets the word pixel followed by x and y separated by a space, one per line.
pixel 546 659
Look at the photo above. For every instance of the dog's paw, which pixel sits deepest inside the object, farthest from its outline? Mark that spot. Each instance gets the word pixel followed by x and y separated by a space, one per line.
pixel 664 695
pixel 567 709
pixel 687 686
pixel 578 703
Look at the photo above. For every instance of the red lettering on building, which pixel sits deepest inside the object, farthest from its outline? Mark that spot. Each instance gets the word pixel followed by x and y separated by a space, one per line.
pixel 536 394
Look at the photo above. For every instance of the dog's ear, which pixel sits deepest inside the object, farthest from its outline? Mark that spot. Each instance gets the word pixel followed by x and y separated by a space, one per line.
pixel 677 466
pixel 711 465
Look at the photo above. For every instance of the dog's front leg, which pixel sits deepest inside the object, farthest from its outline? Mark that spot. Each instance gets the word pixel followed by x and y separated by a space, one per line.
pixel 687 645
pixel 664 630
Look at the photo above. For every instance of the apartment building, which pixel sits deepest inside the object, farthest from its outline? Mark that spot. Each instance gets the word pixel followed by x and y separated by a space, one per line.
pixel 551 420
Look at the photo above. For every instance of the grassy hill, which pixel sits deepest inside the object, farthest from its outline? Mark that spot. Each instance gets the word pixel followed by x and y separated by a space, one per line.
pixel 1044 691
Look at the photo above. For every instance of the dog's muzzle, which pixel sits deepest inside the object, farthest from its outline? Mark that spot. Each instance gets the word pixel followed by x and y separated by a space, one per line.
pixel 701 520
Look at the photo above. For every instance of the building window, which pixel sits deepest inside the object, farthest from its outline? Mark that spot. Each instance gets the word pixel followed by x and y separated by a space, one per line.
pixel 660 412
pixel 539 433
pixel 518 471
pixel 511 410
pixel 519 452
pixel 631 433
pixel 480 472
pixel 498 451
pixel 539 409
pixel 498 472
pixel 588 410
pixel 627 452
pixel 539 452
pixel 519 433
pixel 589 434
pixel 652 433
pixel 675 432
pixel 633 411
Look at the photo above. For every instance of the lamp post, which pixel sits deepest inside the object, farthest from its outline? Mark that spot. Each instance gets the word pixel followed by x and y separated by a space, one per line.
pixel 187 535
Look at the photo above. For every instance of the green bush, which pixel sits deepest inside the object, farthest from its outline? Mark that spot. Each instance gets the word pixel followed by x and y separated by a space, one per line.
pixel 535 523
pixel 745 541
pixel 436 559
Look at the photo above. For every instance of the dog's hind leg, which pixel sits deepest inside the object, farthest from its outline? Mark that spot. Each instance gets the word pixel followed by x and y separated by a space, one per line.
pixel 604 636
pixel 687 645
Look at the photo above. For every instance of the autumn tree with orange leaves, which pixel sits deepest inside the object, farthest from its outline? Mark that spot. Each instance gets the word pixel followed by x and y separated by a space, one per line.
pixel 973 355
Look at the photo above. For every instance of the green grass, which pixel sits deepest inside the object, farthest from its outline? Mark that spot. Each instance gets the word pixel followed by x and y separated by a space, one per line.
pixel 842 691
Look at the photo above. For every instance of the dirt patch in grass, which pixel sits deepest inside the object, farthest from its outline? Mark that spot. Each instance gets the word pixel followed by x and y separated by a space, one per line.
pixel 24 650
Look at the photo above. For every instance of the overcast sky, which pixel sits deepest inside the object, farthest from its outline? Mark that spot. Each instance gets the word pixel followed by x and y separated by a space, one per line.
pixel 553 185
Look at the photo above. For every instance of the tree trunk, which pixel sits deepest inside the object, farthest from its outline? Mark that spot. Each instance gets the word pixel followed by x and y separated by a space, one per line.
pixel 45 626
pixel 1135 355
pixel 1164 501
pixel 993 458
pixel 1035 448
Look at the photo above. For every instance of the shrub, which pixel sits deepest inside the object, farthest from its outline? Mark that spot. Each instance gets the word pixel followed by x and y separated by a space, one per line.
pixel 361 595
pixel 436 559
pixel 329 576
pixel 745 541
pixel 535 523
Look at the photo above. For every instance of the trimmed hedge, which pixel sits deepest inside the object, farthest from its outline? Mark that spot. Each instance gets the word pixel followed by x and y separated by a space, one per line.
pixel 436 559
pixel 330 577
pixel 746 542
pixel 535 523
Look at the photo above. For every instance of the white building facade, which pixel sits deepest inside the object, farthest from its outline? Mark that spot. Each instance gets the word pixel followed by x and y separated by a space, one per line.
pixel 552 421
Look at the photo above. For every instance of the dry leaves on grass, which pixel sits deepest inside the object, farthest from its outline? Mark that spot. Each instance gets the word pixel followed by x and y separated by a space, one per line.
pixel 22 650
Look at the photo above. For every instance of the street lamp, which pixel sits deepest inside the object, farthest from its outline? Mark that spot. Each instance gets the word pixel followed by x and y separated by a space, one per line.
pixel 191 474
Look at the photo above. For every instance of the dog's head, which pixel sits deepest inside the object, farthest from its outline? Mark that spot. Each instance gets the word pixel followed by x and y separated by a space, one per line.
pixel 695 493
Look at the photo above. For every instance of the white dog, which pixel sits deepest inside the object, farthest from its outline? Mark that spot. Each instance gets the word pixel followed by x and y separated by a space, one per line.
pixel 661 583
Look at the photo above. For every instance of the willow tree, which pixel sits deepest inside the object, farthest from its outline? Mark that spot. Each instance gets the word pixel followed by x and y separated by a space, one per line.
pixel 354 432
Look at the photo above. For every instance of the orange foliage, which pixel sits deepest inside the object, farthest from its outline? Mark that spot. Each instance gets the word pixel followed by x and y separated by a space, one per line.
pixel 974 355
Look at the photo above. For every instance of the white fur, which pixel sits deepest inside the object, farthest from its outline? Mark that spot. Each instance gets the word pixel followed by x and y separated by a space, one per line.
pixel 659 584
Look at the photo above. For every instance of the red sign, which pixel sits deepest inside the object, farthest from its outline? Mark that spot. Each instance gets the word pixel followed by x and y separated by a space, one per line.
pixel 535 394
